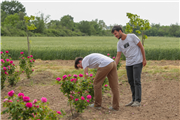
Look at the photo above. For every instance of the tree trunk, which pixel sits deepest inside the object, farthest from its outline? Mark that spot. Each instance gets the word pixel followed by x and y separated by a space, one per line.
pixel 28 42
pixel 142 39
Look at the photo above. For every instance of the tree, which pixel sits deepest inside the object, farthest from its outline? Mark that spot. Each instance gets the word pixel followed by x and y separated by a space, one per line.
pixel 135 22
pixel 12 7
pixel 29 27
pixel 11 20
pixel 68 22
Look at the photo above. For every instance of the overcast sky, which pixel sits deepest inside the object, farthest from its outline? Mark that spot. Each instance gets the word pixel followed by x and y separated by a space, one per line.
pixel 111 12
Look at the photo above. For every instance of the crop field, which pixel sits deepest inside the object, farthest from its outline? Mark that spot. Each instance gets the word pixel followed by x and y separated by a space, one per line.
pixel 68 48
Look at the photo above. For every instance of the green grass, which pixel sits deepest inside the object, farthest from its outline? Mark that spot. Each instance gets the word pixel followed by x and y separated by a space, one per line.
pixel 68 48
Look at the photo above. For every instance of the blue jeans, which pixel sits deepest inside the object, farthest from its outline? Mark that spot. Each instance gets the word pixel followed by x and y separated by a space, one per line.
pixel 134 79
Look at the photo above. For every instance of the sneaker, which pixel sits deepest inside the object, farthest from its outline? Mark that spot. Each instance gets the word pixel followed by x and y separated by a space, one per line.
pixel 92 105
pixel 135 104
pixel 129 104
pixel 111 108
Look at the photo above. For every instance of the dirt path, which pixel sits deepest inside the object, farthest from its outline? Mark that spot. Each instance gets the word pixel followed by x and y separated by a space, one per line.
pixel 160 98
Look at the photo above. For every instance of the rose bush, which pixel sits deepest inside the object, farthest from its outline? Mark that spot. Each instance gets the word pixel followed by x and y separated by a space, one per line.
pixel 21 107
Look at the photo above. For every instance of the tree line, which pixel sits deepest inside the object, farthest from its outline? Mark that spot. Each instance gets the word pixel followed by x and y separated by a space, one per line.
pixel 13 24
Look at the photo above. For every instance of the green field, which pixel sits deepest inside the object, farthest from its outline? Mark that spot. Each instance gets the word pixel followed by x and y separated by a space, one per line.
pixel 68 48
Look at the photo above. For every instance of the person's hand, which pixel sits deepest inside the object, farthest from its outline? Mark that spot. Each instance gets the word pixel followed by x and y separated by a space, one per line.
pixel 144 63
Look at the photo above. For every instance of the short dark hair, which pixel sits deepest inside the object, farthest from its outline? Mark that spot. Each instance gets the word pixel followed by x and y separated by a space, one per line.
pixel 117 28
pixel 77 62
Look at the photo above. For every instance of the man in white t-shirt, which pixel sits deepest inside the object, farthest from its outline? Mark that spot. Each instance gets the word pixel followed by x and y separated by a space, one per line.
pixel 105 67
pixel 131 47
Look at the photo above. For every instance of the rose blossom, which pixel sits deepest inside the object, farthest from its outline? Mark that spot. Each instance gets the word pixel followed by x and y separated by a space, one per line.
pixel 7 60
pixel 87 100
pixel 91 75
pixel 76 99
pixel 80 75
pixel 30 60
pixel 4 68
pixel 1 52
pixel 75 76
pixel 6 73
pixel 113 57
pixel 26 98
pixel 29 105
pixel 65 76
pixel 28 57
pixel 11 93
pixel 10 101
pixel 5 100
pixel 2 60
pixel 88 96
pixel 22 57
pixel 58 112
pixel 58 79
pixel 31 55
pixel 106 85
pixel 11 62
pixel 69 75
pixel 82 98
pixel 21 53
pixel 43 99
pixel 108 54
pixel 7 51
pixel 32 69
pixel 34 101
pixel 21 95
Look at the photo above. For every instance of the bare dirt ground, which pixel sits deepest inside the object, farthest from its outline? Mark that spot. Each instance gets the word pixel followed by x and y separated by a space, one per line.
pixel 160 94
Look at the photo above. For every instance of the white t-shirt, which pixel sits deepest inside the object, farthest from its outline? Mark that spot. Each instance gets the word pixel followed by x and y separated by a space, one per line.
pixel 130 49
pixel 96 60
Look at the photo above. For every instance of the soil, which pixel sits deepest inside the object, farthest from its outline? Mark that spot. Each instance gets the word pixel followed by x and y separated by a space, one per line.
pixel 160 96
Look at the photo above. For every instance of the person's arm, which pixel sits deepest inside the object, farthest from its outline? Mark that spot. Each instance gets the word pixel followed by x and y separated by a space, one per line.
pixel 118 56
pixel 143 53
pixel 85 71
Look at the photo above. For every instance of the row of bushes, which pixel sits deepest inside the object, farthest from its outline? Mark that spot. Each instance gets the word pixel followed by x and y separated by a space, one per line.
pixel 71 54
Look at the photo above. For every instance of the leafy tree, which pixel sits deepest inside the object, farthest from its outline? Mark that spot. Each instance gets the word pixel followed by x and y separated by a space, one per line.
pixel 29 27
pixel 68 22
pixel 136 21
pixel 12 7
pixel 11 20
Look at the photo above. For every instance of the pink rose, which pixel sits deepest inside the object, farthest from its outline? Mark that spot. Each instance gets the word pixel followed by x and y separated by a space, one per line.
pixel 7 51
pixel 32 69
pixel 1 52
pixel 91 75
pixel 28 57
pixel 69 75
pixel 82 98
pixel 5 100
pixel 31 55
pixel 17 100
pixel 34 101
pixel 11 62
pixel 21 53
pixel 58 79
pixel 65 76
pixel 88 96
pixel 87 74
pixel 30 60
pixel 11 93
pixel 114 57
pixel 6 73
pixel 2 60
pixel 88 101
pixel 37 106
pixel 75 76
pixel 4 68
pixel 106 85
pixel 33 60
pixel 80 75
pixel 26 98
pixel 108 54
pixel 76 99
pixel 7 60
pixel 10 101
pixel 58 112
pixel 29 105
pixel 43 99
pixel 8 67
pixel 21 95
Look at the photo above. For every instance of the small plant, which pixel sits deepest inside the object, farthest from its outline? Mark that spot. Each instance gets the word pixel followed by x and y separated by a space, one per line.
pixel 26 64
pixel 20 107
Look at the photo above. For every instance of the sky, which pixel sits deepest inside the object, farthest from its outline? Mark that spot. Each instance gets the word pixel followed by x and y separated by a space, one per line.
pixel 112 12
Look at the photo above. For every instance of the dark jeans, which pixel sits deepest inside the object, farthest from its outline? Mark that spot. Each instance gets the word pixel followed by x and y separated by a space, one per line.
pixel 134 79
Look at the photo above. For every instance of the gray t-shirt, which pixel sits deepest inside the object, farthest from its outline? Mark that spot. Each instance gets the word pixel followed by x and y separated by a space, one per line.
pixel 96 60
pixel 130 49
